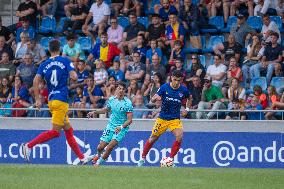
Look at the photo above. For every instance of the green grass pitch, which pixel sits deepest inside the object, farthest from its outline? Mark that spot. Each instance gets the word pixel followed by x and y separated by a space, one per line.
pixel 81 177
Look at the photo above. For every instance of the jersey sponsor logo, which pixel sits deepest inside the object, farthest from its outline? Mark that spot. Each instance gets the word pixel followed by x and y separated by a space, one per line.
pixel 180 95
pixel 55 63
pixel 72 65
pixel 173 99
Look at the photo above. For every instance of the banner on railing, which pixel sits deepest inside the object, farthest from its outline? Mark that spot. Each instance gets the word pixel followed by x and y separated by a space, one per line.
pixel 199 149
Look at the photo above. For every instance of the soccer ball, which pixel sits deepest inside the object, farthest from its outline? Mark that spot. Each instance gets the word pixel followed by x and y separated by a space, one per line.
pixel 166 162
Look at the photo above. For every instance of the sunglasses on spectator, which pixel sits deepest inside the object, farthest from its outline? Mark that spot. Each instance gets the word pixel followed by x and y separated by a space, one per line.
pixel 194 58
pixel 206 81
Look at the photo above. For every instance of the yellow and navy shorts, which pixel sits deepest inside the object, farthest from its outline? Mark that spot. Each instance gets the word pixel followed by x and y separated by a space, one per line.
pixel 58 111
pixel 162 125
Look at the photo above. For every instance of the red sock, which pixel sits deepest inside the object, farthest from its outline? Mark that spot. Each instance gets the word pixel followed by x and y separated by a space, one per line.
pixel 175 149
pixel 146 149
pixel 43 137
pixel 72 143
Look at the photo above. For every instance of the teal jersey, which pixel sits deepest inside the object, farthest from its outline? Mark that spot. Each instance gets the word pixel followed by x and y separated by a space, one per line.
pixel 119 110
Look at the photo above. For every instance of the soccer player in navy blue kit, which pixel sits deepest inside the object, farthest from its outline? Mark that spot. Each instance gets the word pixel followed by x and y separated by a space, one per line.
pixel 171 95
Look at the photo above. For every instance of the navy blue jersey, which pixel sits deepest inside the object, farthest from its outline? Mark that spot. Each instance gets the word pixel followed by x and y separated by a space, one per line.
pixel 55 71
pixel 171 101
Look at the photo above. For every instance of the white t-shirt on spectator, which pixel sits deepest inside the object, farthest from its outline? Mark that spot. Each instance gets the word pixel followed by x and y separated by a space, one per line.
pixel 99 12
pixel 216 70
pixel 260 52
pixel 273 27
pixel 242 94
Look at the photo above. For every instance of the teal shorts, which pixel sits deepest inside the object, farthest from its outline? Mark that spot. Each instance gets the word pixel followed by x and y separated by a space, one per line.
pixel 109 134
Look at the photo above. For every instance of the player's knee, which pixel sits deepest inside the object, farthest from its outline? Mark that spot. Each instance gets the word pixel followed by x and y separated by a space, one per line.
pixel 55 133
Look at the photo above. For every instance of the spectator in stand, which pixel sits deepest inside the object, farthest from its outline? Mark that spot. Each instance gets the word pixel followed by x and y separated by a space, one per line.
pixel 177 52
pixel 166 10
pixel 241 6
pixel 254 54
pixel 47 7
pixel 241 30
pixel 27 10
pixel 104 51
pixel 220 8
pixel 139 104
pixel 195 89
pixel 100 74
pixel 280 8
pixel 135 70
pixel 4 31
pixel 100 13
pixel 116 7
pixel 196 70
pixel 217 71
pixel 72 50
pixel 228 49
pixel 129 39
pixel 174 30
pixel 20 97
pixel 93 96
pixel 115 32
pixel 155 30
pixel 8 67
pixel 133 89
pixel 154 50
pixel 235 104
pixel 141 48
pixel 258 93
pixel 25 28
pixel 234 71
pixel 116 72
pixel 37 52
pixel 109 88
pixel 132 6
pixel 268 27
pixel 5 96
pixel 5 48
pixel 21 48
pixel 177 66
pixel 235 93
pixel 266 7
pixel 78 100
pixel 272 55
pixel 82 74
pixel 278 106
pixel 77 15
pixel 156 67
pixel 272 98
pixel 27 70
pixel 153 87
pixel 254 105
pixel 211 98
pixel 155 114
pixel 278 72
pixel 190 14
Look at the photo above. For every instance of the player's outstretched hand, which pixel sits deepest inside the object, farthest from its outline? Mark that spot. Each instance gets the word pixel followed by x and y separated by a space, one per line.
pixel 117 129
pixel 38 104
pixel 184 113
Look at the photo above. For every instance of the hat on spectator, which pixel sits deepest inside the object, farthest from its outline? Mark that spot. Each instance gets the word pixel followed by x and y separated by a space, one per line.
pixel 242 14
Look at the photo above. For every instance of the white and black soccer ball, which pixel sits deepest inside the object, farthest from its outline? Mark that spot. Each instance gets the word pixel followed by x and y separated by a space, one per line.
pixel 166 162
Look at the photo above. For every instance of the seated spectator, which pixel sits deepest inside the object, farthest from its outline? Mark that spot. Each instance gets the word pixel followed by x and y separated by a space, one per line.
pixel 27 70
pixel 254 105
pixel 78 101
pixel 10 68
pixel 104 51
pixel 139 104
pixel 219 8
pixel 235 93
pixel 166 10
pixel 141 48
pixel 130 33
pixel 235 104
pixel 36 51
pixel 155 114
pixel 5 96
pixel 27 10
pixel 5 48
pixel 229 49
pixel 177 66
pixel 100 13
pixel 72 50
pixel 272 55
pixel 132 89
pixel 257 91
pixel 93 96
pixel 100 74
pixel 154 50
pixel 211 98
pixel 241 6
pixel 47 7
pixel 21 48
pixel 177 52
pixel 77 15
pixel 195 89
pixel 241 30
pixel 174 31
pixel 135 69
pixel 114 32
pixel 20 98
pixel 234 71
pixel 266 7
pixel 8 35
pixel 272 98
pixel 156 67
pixel 155 84
pixel 156 29
pixel 25 28
pixel 116 7
pixel 116 72
pixel 197 69
pixel 217 72
pixel 132 6
pixel 268 27
pixel 82 74
pixel 109 88
pixel 278 105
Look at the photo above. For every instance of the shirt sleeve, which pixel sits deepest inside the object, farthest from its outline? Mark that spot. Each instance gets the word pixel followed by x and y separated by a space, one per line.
pixel 107 10
pixel 129 107
pixel 70 65
pixel 40 70
pixel 161 91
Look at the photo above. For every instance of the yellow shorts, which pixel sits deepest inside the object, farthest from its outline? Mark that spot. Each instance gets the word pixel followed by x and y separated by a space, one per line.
pixel 162 125
pixel 58 111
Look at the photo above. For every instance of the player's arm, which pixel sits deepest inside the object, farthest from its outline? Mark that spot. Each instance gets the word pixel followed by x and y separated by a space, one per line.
pixel 36 82
pixel 98 111
pixel 155 98
pixel 126 123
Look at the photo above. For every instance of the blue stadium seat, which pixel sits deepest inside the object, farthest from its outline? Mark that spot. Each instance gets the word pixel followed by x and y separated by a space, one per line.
pixel 214 40
pixel 278 83
pixel 86 43
pixel 123 21
pixel 143 20
pixel 59 28
pixel 217 21
pixel 261 81
pixel 47 25
pixel 202 60
pixel 278 21
pixel 190 49
pixel 44 42
pixel 232 20
pixel 153 3
pixel 63 41
pixel 255 22
pixel 195 2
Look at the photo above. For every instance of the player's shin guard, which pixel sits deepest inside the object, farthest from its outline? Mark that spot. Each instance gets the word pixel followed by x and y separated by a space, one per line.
pixel 175 148
pixel 72 143
pixel 146 149
pixel 43 137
